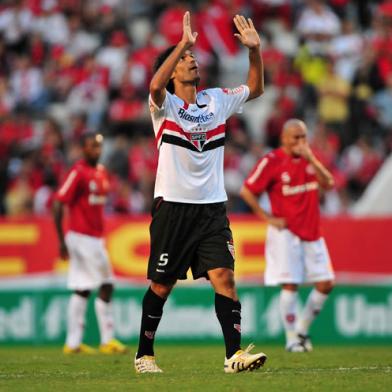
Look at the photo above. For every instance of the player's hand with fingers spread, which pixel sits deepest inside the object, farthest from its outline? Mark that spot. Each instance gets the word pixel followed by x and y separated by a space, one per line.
pixel 247 32
pixel 188 38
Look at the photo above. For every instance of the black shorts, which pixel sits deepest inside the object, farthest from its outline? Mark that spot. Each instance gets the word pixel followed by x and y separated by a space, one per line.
pixel 188 235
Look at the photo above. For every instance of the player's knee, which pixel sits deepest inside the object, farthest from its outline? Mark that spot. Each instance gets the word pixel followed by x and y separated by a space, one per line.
pixel 83 293
pixel 161 290
pixel 105 292
pixel 325 287
pixel 290 286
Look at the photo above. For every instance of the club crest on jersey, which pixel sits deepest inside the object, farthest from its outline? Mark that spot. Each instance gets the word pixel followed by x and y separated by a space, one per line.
pixel 198 137
pixel 92 185
pixel 310 169
pixel 285 177
pixel 230 246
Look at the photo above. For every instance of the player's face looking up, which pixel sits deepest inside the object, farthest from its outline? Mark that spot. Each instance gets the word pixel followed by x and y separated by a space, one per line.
pixel 187 69
pixel 92 149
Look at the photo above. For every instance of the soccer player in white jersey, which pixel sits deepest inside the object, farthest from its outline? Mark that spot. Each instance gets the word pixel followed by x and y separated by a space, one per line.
pixel 189 227
pixel 295 251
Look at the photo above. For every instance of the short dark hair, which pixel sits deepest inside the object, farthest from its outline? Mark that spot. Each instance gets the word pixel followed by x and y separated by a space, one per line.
pixel 87 136
pixel 160 60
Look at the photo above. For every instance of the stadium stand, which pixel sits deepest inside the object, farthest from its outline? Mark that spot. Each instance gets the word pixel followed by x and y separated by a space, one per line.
pixel 67 66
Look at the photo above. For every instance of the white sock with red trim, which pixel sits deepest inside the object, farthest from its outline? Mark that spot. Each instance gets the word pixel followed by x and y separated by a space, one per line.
pixel 75 325
pixel 314 304
pixel 288 311
pixel 104 313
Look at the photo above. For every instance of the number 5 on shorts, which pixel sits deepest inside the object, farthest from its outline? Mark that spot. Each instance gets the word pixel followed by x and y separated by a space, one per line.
pixel 163 260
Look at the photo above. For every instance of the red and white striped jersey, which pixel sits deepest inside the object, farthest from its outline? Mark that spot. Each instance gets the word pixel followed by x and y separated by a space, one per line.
pixel 190 139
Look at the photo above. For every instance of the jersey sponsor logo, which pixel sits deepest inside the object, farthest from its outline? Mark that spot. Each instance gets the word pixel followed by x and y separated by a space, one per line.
pixel 201 118
pixel 230 246
pixel 288 190
pixel 94 200
pixel 233 91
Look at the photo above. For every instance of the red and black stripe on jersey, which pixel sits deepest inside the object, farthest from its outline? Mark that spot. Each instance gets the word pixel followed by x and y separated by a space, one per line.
pixel 188 140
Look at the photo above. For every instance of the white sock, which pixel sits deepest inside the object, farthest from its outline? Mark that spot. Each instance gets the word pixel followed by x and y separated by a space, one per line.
pixel 288 311
pixel 312 308
pixel 75 325
pixel 104 313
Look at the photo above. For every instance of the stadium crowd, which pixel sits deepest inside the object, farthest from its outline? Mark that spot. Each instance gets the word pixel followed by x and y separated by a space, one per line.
pixel 70 66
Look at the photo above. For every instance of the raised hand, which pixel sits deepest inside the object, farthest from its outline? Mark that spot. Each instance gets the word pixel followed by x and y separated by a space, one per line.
pixel 304 150
pixel 247 32
pixel 188 38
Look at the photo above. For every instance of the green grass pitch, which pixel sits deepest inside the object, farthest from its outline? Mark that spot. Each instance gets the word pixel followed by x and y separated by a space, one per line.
pixel 198 368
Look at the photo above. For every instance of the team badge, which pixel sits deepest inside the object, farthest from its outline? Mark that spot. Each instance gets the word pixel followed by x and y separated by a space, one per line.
pixel 230 246
pixel 285 177
pixel 237 327
pixel 92 186
pixel 310 169
pixel 197 137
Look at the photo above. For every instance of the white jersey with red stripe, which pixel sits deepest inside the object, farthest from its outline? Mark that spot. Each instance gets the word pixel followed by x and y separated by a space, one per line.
pixel 190 139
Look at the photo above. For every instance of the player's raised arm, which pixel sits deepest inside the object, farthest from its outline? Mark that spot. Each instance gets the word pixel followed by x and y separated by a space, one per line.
pixel 324 177
pixel 163 75
pixel 250 38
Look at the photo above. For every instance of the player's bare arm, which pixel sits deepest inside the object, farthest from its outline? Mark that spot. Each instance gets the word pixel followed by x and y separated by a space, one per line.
pixel 253 203
pixel 162 76
pixel 324 177
pixel 58 212
pixel 250 38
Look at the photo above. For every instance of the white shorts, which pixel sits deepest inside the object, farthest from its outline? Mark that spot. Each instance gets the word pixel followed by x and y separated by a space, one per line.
pixel 89 262
pixel 292 260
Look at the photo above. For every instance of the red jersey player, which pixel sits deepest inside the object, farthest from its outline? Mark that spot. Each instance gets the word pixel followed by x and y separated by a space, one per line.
pixel 295 251
pixel 84 192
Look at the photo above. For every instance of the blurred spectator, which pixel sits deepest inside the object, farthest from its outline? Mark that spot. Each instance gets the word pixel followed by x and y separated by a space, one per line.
pixel 360 163
pixel 382 102
pixel 114 56
pixel 318 24
pixel 333 105
pixel 346 50
pixel 52 24
pixel 15 24
pixel 27 85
